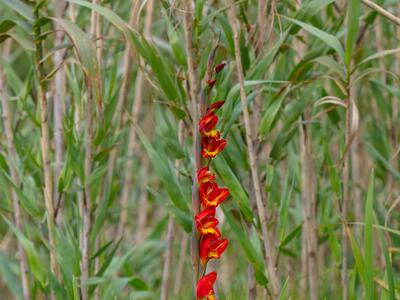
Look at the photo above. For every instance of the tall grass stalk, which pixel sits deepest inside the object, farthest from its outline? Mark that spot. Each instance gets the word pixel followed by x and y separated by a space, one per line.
pixel 12 158
pixel 269 246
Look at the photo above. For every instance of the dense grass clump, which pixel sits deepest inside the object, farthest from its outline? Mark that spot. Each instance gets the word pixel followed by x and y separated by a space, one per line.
pixel 112 109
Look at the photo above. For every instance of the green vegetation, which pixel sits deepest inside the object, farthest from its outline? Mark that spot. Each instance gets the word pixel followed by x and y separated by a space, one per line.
pixel 97 153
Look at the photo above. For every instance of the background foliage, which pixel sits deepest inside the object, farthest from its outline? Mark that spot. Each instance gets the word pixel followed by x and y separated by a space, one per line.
pixel 321 79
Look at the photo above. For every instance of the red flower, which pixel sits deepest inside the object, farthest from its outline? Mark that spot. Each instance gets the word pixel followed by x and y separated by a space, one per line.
pixel 212 247
pixel 207 125
pixel 219 67
pixel 211 147
pixel 204 175
pixel 211 83
pixel 205 286
pixel 211 195
pixel 216 105
pixel 206 222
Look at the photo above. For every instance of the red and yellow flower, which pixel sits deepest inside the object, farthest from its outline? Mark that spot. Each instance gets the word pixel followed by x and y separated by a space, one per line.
pixel 211 195
pixel 206 222
pixel 207 125
pixel 212 247
pixel 205 287
pixel 204 175
pixel 212 146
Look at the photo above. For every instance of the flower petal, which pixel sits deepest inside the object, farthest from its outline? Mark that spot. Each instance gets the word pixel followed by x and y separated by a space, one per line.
pixel 205 285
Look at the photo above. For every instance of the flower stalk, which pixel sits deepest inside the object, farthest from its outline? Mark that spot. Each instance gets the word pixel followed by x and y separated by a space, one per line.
pixel 187 22
pixel 211 245
pixel 206 194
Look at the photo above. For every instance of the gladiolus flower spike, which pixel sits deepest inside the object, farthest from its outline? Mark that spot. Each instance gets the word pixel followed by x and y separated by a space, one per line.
pixel 211 196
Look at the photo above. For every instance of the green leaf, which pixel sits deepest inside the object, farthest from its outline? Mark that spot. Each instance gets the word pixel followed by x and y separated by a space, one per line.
pixel 176 43
pixel 35 263
pixel 20 8
pixel 8 276
pixel 295 232
pixel 379 55
pixel 271 114
pixel 233 107
pixel 384 161
pixel 6 25
pixel 368 240
pixel 353 15
pixel 327 38
pixel 284 294
pixel 138 284
pixel 261 66
pixel 27 203
pixel 332 65
pixel 253 256
pixel 360 263
pixel 149 53
pixel 84 46
pixel 106 13
pixel 310 8
pixel 389 268
pixel 182 218
pixel 235 187
pixel 165 172
pixel 23 40
pixel 159 66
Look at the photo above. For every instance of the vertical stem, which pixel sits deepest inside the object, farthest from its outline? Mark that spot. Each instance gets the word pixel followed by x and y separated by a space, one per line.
pixel 127 63
pixel 140 234
pixel 305 188
pixel 59 84
pixel 95 30
pixel 394 132
pixel 309 207
pixel 252 286
pixel 308 196
pixel 170 234
pixel 270 257
pixel 259 47
pixel 138 99
pixel 167 260
pixel 346 183
pixel 181 264
pixel 262 18
pixel 188 23
pixel 12 159
pixel 396 103
pixel 303 265
pixel 85 201
pixel 45 144
pixel 93 86
pixel 262 25
pixel 95 33
pixel 126 78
